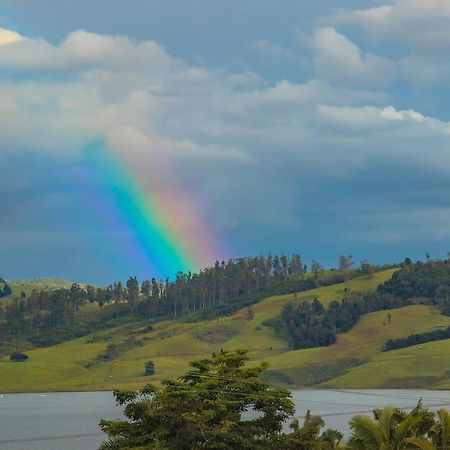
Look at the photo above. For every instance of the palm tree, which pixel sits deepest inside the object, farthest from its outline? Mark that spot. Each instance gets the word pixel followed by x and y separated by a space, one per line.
pixel 440 433
pixel 331 439
pixel 392 429
pixel 308 437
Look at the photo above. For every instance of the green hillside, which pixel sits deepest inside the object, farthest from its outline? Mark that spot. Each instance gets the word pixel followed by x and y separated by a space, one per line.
pixel 355 360
pixel 28 286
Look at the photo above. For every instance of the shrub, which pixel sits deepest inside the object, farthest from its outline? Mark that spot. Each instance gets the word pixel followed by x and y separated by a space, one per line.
pixel 149 368
pixel 111 352
pixel 18 357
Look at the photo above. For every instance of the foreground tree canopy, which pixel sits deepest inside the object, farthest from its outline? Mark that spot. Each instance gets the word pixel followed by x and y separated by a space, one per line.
pixel 206 409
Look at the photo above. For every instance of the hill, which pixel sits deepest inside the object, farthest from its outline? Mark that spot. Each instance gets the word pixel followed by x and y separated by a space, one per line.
pixel 115 358
pixel 27 286
pixel 171 344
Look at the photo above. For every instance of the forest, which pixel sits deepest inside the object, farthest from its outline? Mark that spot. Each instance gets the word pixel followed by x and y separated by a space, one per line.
pixel 46 317
pixel 309 324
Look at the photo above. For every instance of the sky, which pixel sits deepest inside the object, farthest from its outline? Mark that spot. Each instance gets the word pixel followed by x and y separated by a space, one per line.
pixel 316 127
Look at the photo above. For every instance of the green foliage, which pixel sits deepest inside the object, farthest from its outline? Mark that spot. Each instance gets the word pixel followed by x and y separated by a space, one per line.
pixel 48 316
pixel 5 288
pixel 178 417
pixel 393 428
pixel 18 357
pixel 112 351
pixel 309 436
pixel 308 324
pixel 417 338
pixel 149 368
pixel 430 280
pixel 202 409
pixel 48 367
pixel 109 354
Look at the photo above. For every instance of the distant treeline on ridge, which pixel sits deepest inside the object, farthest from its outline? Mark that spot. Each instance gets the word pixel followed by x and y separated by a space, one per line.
pixel 309 324
pixel 46 317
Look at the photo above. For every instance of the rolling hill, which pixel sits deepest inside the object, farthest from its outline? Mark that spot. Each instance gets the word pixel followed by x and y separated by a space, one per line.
pixel 28 286
pixel 356 360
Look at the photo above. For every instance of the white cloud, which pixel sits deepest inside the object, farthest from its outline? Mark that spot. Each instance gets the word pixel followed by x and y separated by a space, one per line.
pixel 223 132
pixel 423 25
pixel 82 50
pixel 9 37
pixel 391 114
pixel 340 60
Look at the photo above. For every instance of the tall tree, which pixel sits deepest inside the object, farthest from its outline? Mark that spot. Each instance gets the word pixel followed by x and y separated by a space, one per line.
pixel 316 269
pixel 132 292
pixel 345 262
pixel 203 410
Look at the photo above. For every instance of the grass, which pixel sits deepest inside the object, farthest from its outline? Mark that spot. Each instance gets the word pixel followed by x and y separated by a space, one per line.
pixel 355 360
pixel 364 343
pixel 28 286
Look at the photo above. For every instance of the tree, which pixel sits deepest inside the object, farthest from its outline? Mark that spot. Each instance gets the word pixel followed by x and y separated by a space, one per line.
pixel 295 265
pixel 118 291
pixel 309 436
pixel 391 429
pixel 6 290
pixel 146 288
pixel 203 410
pixel 18 357
pixel 345 262
pixel 132 292
pixel 284 265
pixel 440 431
pixel 316 268
pixel 149 368
pixel 366 268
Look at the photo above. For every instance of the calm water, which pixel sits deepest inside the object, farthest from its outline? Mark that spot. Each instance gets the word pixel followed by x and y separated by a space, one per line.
pixel 69 420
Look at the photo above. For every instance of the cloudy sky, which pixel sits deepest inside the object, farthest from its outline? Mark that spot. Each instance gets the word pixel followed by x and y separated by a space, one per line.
pixel 291 126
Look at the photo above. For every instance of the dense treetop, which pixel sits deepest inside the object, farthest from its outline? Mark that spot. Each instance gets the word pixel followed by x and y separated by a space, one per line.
pixel 46 317
pixel 309 324
pixel 220 404
pixel 206 409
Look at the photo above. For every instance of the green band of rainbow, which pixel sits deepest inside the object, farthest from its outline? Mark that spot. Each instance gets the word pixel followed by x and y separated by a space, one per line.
pixel 165 251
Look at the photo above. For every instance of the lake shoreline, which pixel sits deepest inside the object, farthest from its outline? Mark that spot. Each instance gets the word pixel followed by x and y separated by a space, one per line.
pixel 291 388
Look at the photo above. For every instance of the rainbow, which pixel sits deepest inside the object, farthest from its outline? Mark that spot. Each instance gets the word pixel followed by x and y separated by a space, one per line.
pixel 160 233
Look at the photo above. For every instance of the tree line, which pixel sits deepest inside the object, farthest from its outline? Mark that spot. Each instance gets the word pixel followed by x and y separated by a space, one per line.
pixel 45 317
pixel 207 408
pixel 309 324
pixel 417 338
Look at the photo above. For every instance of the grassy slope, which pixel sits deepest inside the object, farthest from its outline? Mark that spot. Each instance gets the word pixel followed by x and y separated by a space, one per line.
pixel 171 345
pixel 28 286
pixel 364 342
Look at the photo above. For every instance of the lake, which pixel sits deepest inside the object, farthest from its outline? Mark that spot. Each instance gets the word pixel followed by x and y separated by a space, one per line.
pixel 70 420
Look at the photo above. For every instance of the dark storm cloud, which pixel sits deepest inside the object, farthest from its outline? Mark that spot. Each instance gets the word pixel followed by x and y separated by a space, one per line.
pixel 331 152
